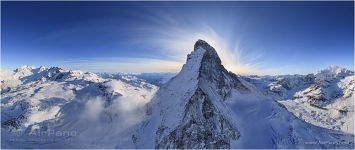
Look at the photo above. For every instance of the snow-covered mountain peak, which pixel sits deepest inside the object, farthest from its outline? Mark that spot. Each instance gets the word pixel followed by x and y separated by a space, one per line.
pixel 28 67
pixel 203 56
pixel 41 68
pixel 24 70
pixel 205 65
pixel 32 75
pixel 202 48
pixel 210 59
pixel 192 103
pixel 334 71
pixel 203 44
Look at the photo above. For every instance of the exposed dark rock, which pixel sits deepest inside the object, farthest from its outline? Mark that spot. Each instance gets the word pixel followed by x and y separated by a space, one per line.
pixel 213 71
pixel 203 126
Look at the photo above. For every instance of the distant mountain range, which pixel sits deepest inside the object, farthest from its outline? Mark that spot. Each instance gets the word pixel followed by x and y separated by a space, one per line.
pixel 203 106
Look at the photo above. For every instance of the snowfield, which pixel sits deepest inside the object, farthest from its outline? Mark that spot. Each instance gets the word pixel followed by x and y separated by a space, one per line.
pixel 203 106
pixel 50 100
pixel 325 99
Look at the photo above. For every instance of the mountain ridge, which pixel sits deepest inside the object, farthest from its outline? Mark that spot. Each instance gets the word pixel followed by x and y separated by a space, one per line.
pixel 203 106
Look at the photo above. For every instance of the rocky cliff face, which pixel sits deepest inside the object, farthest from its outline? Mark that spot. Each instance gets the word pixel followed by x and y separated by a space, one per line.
pixel 213 72
pixel 202 126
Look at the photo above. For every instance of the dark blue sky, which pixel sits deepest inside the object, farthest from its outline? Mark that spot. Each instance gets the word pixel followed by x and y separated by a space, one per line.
pixel 251 37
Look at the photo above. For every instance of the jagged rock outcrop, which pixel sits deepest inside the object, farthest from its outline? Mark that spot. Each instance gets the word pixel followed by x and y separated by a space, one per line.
pixel 212 71
pixel 202 126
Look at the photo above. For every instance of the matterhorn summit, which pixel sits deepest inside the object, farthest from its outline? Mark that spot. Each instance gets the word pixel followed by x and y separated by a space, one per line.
pixel 189 111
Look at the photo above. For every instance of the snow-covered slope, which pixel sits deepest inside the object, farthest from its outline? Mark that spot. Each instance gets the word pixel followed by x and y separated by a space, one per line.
pixel 324 99
pixel 281 87
pixel 56 108
pixel 328 102
pixel 205 106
